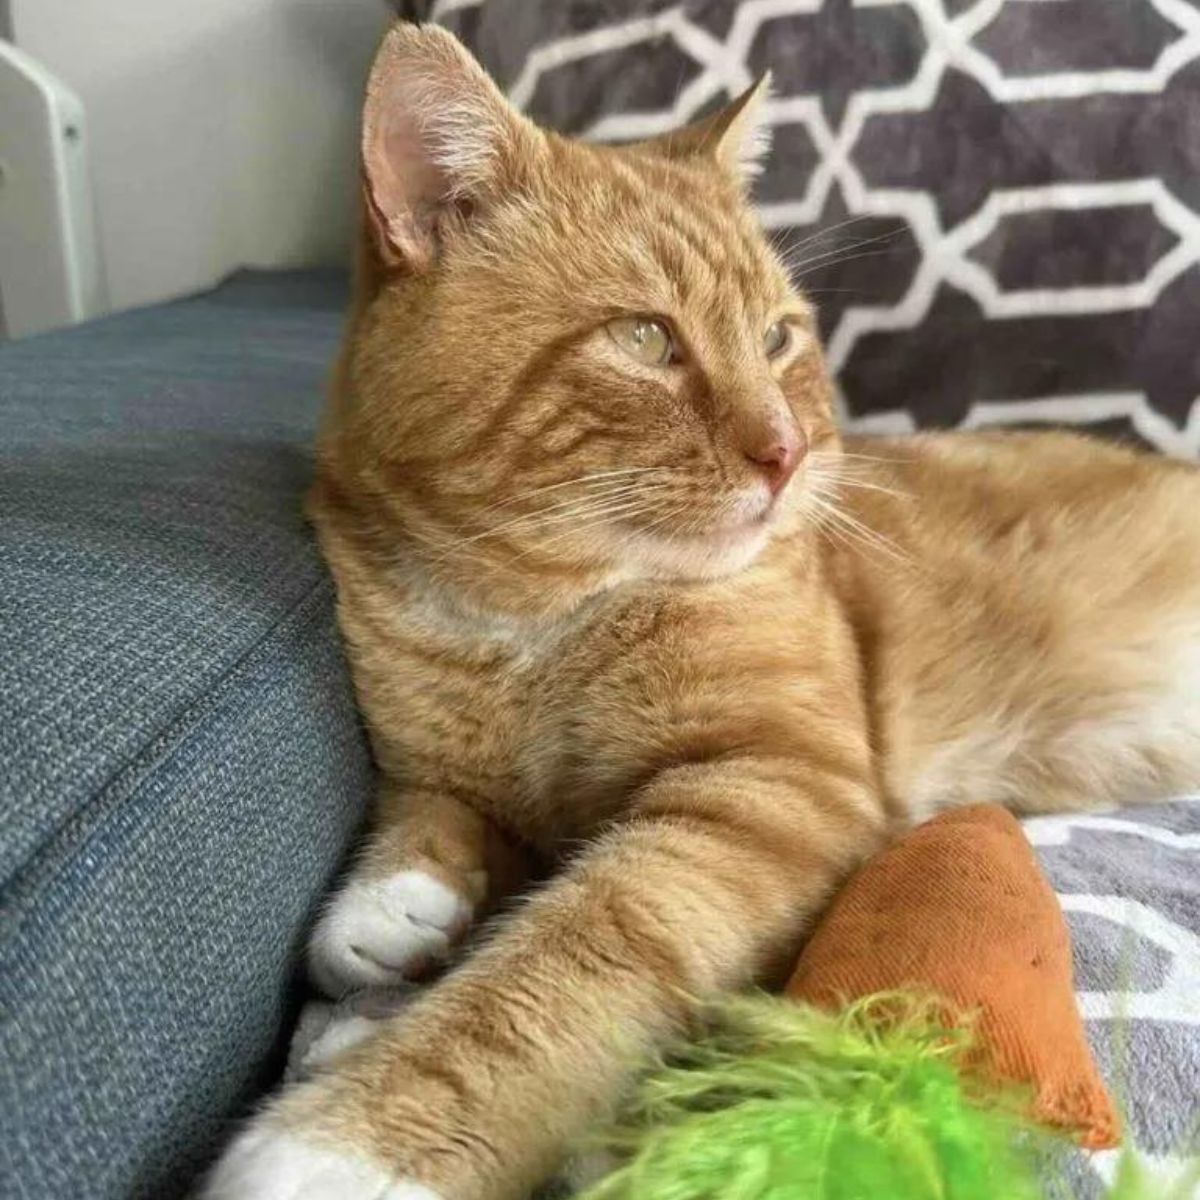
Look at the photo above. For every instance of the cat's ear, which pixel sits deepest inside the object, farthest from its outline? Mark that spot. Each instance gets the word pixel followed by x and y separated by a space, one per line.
pixel 438 141
pixel 735 137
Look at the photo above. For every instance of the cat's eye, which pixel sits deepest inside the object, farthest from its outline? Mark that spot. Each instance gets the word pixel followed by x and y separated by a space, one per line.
pixel 644 339
pixel 776 339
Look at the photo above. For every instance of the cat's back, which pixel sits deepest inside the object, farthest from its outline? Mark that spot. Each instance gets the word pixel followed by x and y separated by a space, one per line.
pixel 1014 502
pixel 984 541
pixel 1029 595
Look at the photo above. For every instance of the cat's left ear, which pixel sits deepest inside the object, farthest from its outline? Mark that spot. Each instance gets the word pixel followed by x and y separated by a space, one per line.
pixel 439 142
pixel 736 137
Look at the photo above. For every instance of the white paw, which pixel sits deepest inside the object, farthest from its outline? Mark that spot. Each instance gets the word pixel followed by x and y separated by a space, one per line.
pixel 264 1164
pixel 325 1030
pixel 381 932
pixel 341 1034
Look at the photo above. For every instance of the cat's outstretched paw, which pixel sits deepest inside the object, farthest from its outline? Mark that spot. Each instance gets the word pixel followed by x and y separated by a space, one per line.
pixel 380 932
pixel 267 1164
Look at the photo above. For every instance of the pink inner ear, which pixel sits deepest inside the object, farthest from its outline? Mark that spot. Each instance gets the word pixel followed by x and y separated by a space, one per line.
pixel 433 128
pixel 407 187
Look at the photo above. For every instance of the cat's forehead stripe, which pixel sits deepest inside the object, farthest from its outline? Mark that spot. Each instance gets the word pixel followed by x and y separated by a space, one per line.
pixel 720 251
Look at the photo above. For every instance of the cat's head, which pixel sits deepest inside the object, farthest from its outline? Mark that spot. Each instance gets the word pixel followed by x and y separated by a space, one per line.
pixel 569 363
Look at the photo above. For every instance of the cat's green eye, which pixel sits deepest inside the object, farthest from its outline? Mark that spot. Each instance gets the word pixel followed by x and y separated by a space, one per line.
pixel 644 339
pixel 776 339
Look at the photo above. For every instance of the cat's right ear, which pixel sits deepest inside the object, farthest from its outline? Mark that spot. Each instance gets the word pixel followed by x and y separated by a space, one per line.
pixel 439 140
pixel 737 137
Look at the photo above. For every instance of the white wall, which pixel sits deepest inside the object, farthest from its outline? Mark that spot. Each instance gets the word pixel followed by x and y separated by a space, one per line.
pixel 222 132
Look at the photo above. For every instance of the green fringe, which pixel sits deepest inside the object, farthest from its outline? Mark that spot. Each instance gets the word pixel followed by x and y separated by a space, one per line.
pixel 785 1102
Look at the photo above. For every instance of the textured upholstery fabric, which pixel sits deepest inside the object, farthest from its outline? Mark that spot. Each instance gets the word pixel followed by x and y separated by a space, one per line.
pixel 994 204
pixel 181 765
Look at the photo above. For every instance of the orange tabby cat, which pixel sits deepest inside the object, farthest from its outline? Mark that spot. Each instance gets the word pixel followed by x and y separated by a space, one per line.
pixel 615 595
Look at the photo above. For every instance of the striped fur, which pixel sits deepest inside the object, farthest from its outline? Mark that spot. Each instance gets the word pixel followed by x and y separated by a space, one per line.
pixel 581 644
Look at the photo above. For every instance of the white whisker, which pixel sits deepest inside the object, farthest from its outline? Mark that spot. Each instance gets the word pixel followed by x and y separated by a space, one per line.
pixel 599 477
pixel 565 511
pixel 838 479
pixel 845 250
pixel 819 235
pixel 592 522
pixel 836 455
pixel 821 264
pixel 857 530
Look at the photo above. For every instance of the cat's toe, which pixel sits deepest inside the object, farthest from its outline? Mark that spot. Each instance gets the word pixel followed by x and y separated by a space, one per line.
pixel 267 1164
pixel 379 932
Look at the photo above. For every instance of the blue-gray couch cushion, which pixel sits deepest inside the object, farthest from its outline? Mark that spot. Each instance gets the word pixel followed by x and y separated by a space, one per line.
pixel 181 766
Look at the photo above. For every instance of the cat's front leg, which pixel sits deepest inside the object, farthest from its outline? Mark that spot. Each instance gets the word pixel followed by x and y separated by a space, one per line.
pixel 475 1092
pixel 430 864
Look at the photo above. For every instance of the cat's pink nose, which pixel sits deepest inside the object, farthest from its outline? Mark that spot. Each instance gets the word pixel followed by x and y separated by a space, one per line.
pixel 778 456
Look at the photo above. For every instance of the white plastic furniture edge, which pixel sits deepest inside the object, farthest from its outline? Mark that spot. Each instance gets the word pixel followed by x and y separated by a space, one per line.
pixel 50 269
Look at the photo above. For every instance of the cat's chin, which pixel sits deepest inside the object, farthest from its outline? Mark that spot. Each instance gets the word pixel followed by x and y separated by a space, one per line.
pixel 703 556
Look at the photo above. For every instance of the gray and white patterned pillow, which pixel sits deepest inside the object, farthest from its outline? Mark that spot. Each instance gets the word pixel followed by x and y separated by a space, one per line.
pixel 996 203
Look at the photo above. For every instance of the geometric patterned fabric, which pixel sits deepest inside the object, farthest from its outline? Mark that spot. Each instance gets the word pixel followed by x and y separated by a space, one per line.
pixel 995 205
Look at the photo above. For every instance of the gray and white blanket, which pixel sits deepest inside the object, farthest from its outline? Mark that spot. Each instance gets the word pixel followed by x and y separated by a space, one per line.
pixel 1129 882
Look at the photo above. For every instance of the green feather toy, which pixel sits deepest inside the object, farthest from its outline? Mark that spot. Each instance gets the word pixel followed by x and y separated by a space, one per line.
pixel 782 1101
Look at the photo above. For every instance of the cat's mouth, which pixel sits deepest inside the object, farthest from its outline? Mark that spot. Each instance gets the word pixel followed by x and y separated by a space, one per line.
pixel 751 513
pixel 761 513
